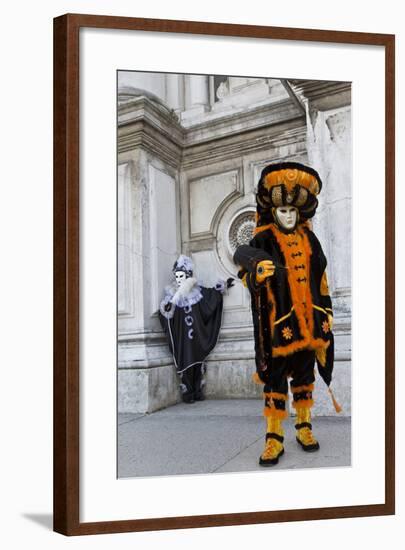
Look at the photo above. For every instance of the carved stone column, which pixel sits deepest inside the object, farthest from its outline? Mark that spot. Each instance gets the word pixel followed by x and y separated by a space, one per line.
pixel 196 96
pixel 148 244
pixel 175 92
pixel 328 107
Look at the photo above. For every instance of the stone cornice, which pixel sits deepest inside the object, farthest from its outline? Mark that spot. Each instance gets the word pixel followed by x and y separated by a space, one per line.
pixel 142 107
pixel 323 95
pixel 142 134
pixel 145 123
pixel 266 115
pixel 245 143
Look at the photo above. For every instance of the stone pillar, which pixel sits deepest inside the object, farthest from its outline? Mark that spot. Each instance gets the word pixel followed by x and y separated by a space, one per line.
pixel 329 152
pixel 196 96
pixel 175 92
pixel 148 247
pixel 148 244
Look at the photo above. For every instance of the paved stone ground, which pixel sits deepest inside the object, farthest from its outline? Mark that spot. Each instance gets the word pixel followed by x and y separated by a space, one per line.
pixel 219 436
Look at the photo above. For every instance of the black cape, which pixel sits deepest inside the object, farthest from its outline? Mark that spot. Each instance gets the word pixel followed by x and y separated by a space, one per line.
pixel 192 331
pixel 264 246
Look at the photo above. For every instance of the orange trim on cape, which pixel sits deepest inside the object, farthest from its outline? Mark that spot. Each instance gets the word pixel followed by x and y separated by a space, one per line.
pixel 305 323
pixel 299 345
pixel 256 378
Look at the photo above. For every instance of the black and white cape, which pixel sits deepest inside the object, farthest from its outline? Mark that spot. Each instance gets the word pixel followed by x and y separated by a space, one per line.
pixel 191 318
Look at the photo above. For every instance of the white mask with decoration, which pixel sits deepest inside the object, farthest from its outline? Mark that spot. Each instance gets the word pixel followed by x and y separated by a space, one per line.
pixel 180 277
pixel 286 217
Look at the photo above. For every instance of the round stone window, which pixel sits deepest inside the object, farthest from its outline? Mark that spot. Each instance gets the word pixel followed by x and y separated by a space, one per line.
pixel 241 230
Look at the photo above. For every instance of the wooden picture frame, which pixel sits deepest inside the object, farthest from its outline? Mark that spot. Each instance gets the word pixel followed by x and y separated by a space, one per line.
pixel 67 283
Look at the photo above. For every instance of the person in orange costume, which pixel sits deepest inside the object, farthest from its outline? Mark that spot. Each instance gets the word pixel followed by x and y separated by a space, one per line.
pixel 284 268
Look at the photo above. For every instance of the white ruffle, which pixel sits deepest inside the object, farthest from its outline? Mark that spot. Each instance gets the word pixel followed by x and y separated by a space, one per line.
pixel 188 294
pixel 220 286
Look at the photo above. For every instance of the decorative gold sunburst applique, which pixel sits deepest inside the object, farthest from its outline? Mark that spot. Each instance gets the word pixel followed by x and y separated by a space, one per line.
pixel 287 333
pixel 325 327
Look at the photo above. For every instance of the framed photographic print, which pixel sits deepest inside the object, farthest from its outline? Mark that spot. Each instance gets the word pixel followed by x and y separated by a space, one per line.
pixel 224 274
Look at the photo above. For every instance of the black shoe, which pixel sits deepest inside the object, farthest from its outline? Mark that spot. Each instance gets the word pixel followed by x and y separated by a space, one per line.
pixel 308 448
pixel 188 397
pixel 199 396
pixel 270 461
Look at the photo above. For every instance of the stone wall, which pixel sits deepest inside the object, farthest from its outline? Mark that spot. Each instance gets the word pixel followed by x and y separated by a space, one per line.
pixel 189 160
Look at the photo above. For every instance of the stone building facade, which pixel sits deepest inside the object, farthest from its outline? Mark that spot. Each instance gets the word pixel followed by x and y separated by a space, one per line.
pixel 190 152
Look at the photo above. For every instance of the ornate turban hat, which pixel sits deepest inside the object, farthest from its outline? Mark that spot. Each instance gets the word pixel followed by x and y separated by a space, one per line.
pixel 287 184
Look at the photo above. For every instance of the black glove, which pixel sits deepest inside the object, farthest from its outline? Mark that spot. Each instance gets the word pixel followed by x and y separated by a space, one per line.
pixel 168 306
pixel 230 282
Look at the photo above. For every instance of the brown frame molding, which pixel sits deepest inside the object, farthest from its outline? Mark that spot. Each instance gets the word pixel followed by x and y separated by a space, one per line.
pixel 66 273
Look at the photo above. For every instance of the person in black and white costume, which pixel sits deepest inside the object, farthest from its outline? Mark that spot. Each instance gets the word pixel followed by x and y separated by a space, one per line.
pixel 191 315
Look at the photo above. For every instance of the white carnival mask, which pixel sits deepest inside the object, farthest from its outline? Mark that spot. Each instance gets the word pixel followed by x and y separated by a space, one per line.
pixel 180 277
pixel 287 216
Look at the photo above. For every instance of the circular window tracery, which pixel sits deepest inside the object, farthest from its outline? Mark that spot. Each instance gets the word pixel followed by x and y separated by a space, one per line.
pixel 241 230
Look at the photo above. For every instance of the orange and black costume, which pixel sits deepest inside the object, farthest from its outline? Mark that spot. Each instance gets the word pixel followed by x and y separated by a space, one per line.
pixel 291 312
pixel 292 309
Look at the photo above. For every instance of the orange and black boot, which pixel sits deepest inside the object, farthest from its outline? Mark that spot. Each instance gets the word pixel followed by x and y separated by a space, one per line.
pixel 274 447
pixel 303 425
pixel 275 412
pixel 303 402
